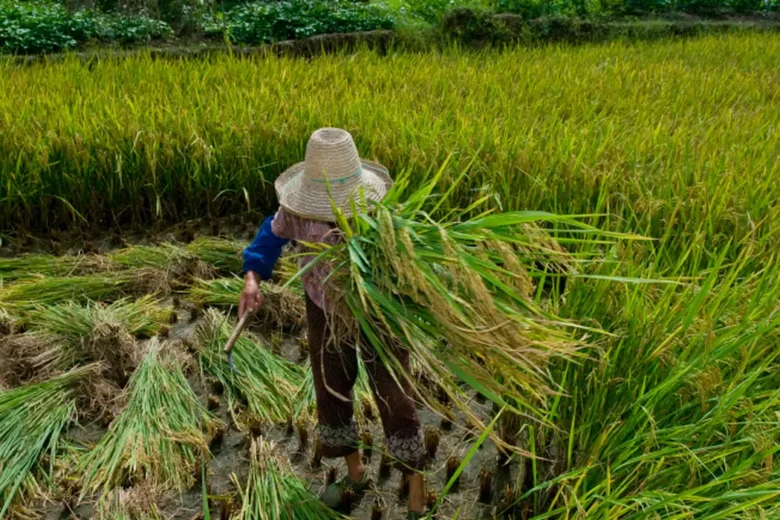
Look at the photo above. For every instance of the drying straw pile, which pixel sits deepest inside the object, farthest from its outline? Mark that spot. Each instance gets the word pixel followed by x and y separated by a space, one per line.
pixel 266 383
pixel 457 293
pixel 282 307
pixel 32 418
pixel 273 492
pixel 159 438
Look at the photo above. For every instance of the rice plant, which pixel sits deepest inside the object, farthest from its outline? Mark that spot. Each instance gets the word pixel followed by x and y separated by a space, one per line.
pixel 457 293
pixel 266 383
pixel 71 334
pixel 273 492
pixel 32 266
pixel 282 307
pixel 223 255
pixel 140 317
pixel 160 437
pixel 32 420
pixel 587 129
pixel 27 295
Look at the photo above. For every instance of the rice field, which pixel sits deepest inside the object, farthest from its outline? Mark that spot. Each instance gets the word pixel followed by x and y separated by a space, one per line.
pixel 666 404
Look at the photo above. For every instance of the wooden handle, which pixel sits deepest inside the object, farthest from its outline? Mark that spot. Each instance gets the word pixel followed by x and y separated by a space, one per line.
pixel 237 332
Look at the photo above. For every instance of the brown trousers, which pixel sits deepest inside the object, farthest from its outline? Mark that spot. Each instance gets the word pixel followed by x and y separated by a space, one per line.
pixel 335 370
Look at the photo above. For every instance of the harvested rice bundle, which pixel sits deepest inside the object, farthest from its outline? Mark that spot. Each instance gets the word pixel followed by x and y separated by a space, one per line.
pixel 33 266
pixel 98 332
pixel 32 419
pixel 158 439
pixel 179 264
pixel 224 256
pixel 27 358
pixel 266 383
pixel 282 307
pixel 30 294
pixel 458 294
pixel 273 492
pixel 141 317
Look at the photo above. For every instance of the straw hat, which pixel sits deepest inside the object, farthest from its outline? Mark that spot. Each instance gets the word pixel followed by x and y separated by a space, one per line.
pixel 332 160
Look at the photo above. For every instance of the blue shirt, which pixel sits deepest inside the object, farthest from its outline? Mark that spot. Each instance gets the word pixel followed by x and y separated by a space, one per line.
pixel 261 255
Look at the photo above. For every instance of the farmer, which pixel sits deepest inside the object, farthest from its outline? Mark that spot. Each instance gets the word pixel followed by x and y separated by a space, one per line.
pixel 333 172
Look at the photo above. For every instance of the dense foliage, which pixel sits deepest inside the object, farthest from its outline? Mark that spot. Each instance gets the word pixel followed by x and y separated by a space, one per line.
pixel 41 26
pixel 260 22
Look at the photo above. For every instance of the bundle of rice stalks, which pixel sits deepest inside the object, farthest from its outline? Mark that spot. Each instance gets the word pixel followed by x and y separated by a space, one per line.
pixel 28 294
pixel 457 294
pixel 179 264
pixel 32 419
pixel 158 439
pixel 142 317
pixel 35 266
pixel 224 256
pixel 273 492
pixel 282 307
pixel 99 332
pixel 266 383
pixel 26 358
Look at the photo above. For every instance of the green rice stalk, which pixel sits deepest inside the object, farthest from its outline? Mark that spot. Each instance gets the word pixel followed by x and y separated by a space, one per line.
pixel 158 439
pixel 27 295
pixel 97 332
pixel 273 492
pixel 141 317
pixel 224 256
pixel 266 384
pixel 282 307
pixel 32 418
pixel 179 264
pixel 457 293
pixel 34 266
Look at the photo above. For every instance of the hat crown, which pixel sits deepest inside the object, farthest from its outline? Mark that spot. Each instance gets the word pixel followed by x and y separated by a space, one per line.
pixel 331 154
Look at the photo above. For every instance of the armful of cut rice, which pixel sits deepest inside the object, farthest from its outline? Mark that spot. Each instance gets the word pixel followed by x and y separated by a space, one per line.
pixel 459 295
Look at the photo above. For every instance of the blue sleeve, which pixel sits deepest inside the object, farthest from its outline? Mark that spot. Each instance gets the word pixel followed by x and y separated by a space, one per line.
pixel 264 251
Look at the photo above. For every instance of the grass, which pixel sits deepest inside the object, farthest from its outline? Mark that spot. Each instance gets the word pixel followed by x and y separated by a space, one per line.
pixel 661 135
pixel 266 384
pixel 159 439
pixel 32 420
pixel 273 492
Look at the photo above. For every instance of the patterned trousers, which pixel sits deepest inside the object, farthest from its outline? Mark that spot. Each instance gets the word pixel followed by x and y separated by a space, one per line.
pixel 335 370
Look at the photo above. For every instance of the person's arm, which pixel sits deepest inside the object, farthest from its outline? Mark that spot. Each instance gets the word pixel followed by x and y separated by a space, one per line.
pixel 259 260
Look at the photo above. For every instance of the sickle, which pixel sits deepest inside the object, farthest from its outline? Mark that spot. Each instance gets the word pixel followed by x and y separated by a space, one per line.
pixel 233 338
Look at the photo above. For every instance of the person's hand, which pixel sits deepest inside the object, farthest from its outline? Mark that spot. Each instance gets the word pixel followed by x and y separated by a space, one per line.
pixel 251 297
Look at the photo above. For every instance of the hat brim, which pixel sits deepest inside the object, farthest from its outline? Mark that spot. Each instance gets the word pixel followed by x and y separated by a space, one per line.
pixel 312 199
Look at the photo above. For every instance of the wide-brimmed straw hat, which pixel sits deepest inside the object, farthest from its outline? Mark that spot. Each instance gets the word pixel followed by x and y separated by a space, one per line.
pixel 333 170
